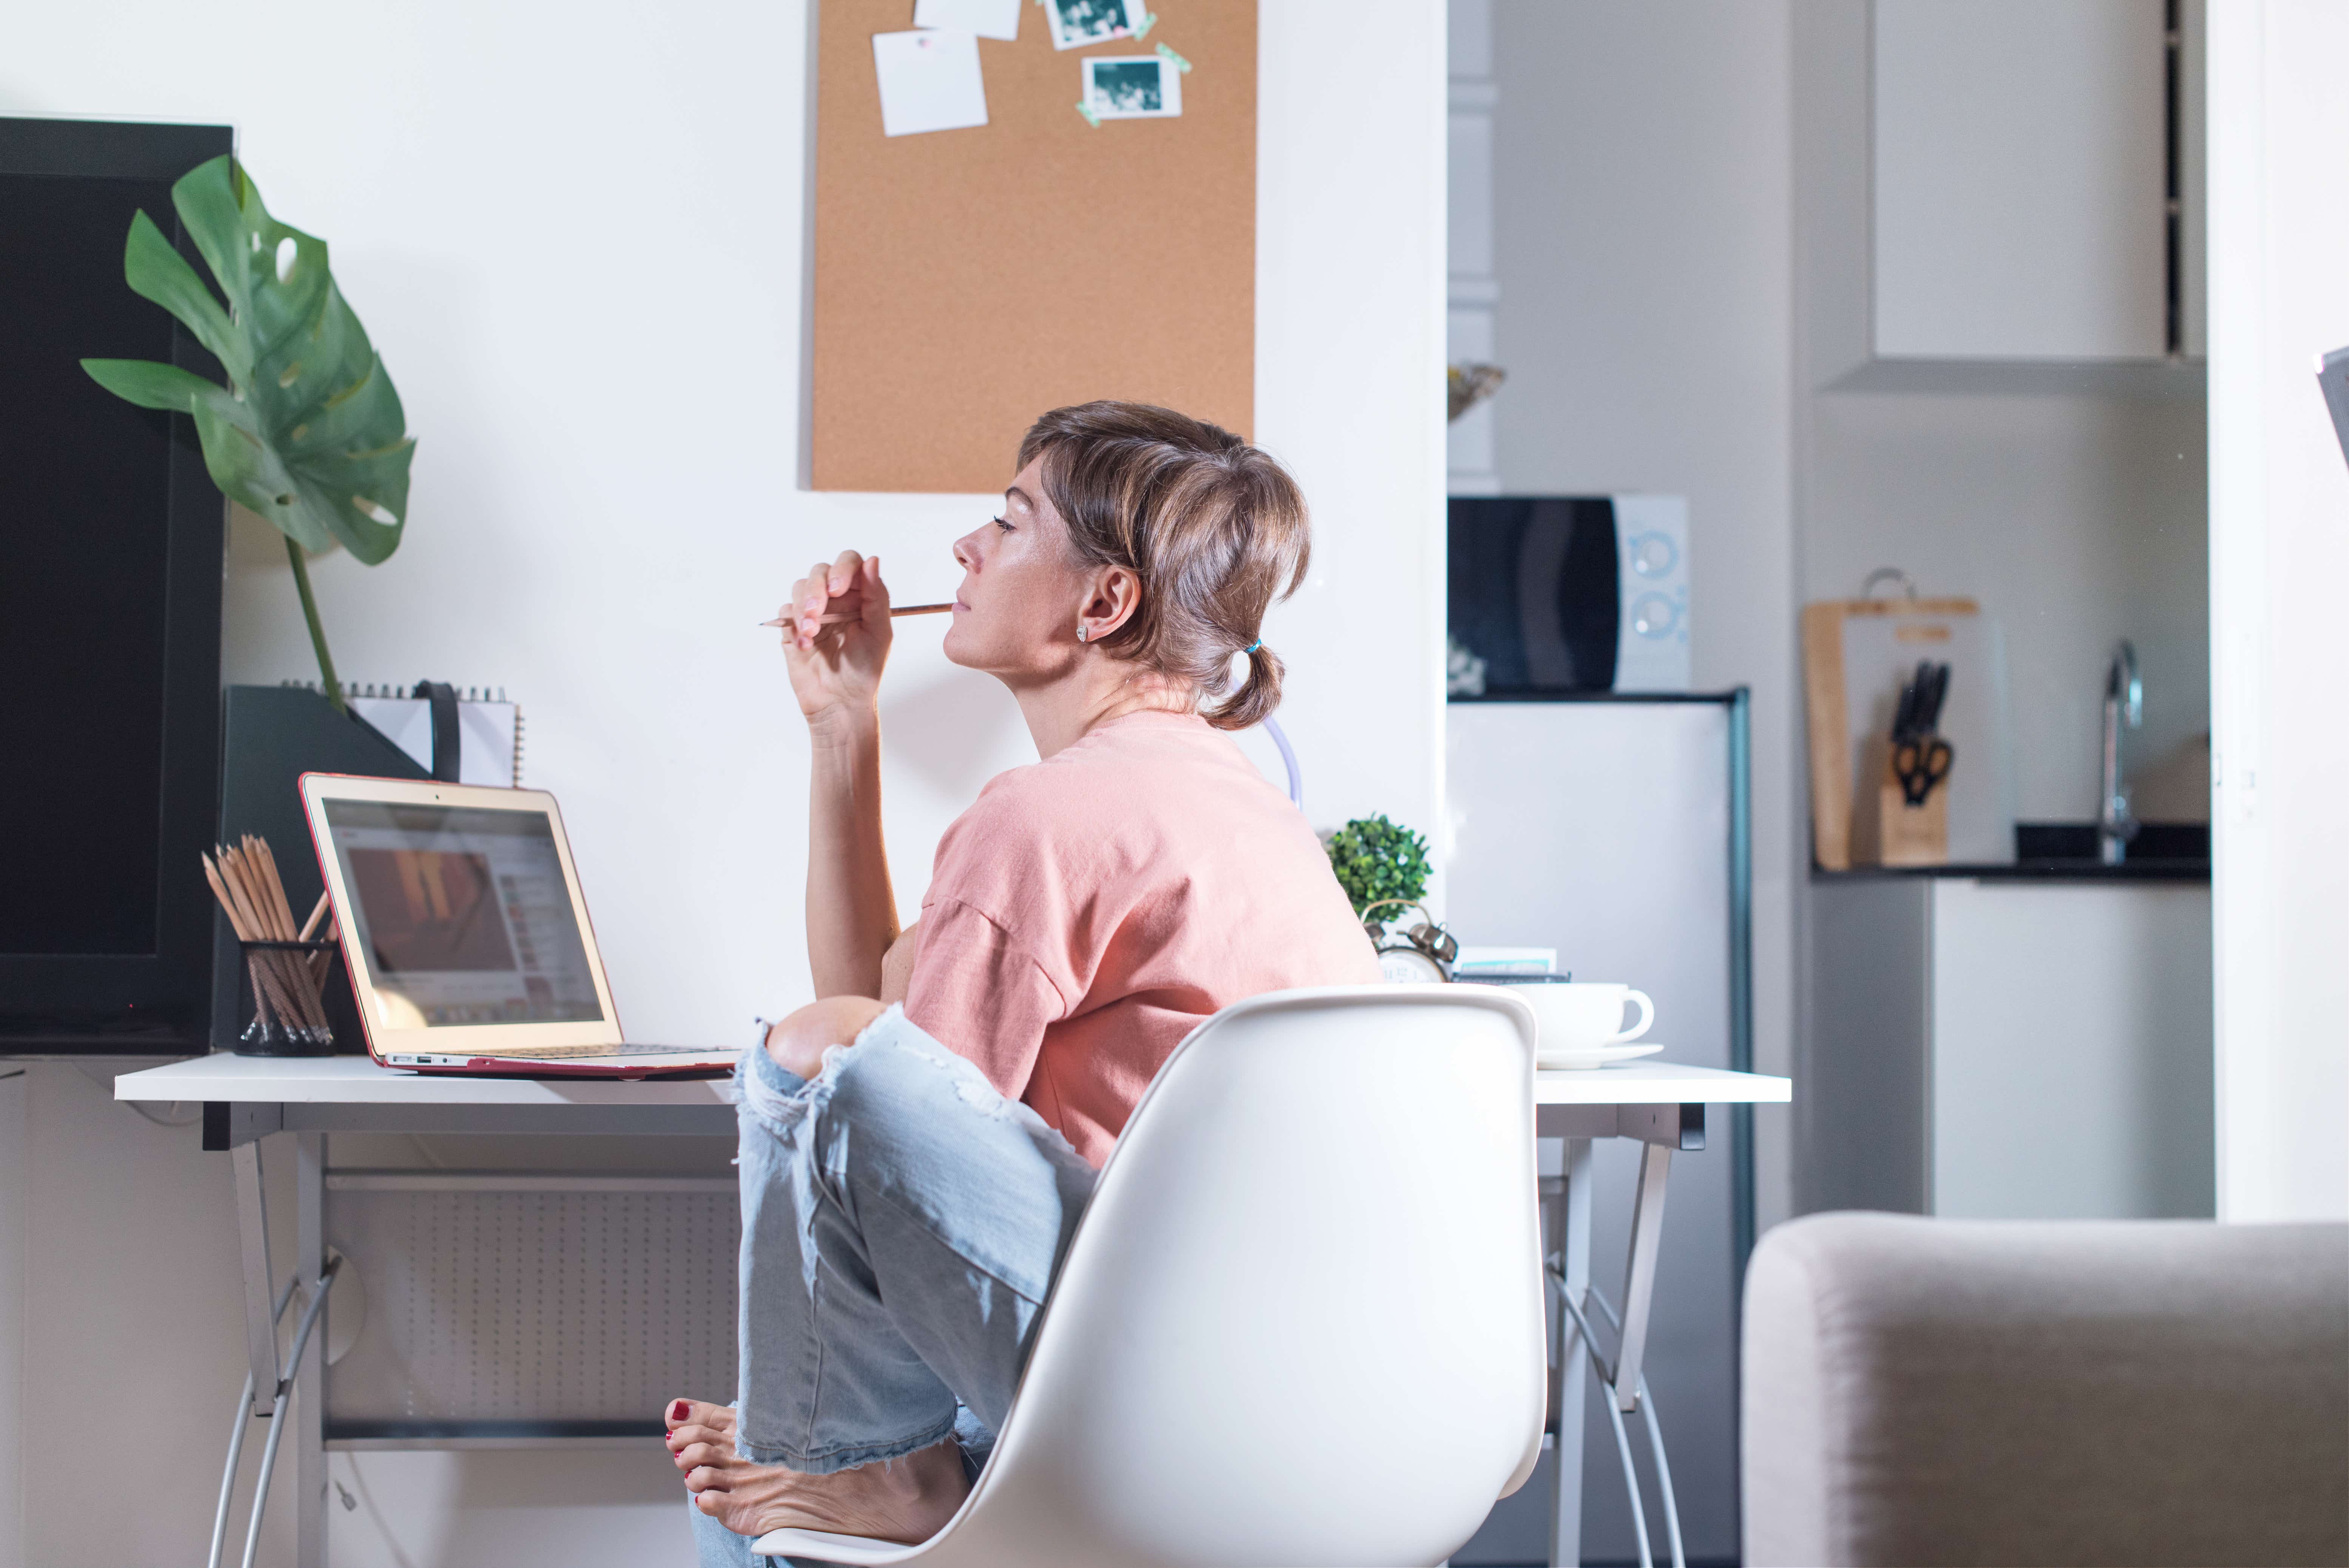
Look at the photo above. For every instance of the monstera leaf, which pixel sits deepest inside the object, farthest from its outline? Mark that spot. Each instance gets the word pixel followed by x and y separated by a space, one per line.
pixel 308 432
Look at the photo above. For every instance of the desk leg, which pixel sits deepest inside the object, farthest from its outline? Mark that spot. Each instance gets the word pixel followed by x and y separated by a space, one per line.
pixel 1571 1239
pixel 309 1380
pixel 253 1244
pixel 1639 1271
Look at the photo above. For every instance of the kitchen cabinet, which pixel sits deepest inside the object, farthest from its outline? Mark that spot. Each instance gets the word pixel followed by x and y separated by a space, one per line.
pixel 2012 1047
pixel 2020 182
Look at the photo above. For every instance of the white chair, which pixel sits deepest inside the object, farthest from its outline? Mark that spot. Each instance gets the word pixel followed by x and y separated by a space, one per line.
pixel 1302 1320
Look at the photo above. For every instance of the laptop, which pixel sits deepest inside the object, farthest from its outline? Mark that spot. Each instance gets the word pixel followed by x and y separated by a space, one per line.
pixel 466 935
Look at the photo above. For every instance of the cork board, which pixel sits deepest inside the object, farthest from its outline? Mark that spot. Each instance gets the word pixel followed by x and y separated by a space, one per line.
pixel 966 281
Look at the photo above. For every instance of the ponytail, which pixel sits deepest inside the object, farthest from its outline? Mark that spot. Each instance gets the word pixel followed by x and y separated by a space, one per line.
pixel 1258 694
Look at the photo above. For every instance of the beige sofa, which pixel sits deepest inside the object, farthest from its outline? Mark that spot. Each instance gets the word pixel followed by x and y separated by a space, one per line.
pixel 2139 1393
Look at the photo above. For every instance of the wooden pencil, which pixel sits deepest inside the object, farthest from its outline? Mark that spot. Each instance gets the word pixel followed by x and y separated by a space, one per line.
pixel 895 611
pixel 266 995
pixel 245 879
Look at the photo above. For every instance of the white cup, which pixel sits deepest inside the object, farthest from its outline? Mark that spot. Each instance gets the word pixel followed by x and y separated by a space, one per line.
pixel 1579 1015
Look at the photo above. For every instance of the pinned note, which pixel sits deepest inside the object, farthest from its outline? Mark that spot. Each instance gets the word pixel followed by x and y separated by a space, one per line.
pixel 988 18
pixel 929 81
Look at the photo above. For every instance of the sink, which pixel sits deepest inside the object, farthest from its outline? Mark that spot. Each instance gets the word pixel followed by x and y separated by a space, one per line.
pixel 2178 845
pixel 2159 849
pixel 2066 851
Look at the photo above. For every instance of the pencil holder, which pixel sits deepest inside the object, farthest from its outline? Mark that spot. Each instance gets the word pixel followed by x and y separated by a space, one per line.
pixel 280 996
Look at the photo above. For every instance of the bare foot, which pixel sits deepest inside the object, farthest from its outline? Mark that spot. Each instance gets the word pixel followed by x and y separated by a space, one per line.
pixel 905 1500
pixel 691 1422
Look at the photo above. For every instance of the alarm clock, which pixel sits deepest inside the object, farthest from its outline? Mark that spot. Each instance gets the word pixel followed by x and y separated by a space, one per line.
pixel 1421 956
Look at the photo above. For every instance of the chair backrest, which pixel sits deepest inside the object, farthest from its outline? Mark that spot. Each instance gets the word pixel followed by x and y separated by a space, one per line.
pixel 1301 1321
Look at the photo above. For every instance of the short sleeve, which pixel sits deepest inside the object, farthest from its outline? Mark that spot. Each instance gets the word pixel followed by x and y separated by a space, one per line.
pixel 982 996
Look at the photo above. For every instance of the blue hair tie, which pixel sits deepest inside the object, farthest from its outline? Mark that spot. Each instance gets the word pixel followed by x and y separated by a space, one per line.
pixel 1252 647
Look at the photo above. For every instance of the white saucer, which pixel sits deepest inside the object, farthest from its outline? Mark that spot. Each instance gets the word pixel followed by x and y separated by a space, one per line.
pixel 1584 1057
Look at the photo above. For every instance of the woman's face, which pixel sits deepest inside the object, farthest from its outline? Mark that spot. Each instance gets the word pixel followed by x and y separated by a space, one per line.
pixel 1023 591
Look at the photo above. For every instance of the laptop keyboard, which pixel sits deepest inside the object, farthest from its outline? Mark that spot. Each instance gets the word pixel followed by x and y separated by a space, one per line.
pixel 568 1053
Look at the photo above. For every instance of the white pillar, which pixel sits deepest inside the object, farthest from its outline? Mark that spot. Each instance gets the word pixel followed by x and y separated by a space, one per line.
pixel 2278 117
pixel 1473 465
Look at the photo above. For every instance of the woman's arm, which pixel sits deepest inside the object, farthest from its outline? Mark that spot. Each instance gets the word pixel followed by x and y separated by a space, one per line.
pixel 897 964
pixel 852 911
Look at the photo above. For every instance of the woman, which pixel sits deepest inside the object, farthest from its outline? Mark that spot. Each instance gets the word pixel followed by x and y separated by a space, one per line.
pixel 916 1148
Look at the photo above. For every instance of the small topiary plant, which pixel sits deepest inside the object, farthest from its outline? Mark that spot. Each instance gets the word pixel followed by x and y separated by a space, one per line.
pixel 1376 860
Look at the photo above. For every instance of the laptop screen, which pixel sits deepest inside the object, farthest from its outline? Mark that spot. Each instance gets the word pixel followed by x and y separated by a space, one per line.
pixel 463 915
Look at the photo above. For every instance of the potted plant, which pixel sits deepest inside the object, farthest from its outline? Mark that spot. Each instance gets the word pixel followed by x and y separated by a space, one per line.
pixel 309 433
pixel 1382 867
pixel 1378 862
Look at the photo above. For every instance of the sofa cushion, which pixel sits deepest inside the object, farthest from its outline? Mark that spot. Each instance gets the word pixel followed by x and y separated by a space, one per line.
pixel 1935 1391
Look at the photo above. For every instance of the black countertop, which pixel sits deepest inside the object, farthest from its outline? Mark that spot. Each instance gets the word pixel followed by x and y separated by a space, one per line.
pixel 2066 852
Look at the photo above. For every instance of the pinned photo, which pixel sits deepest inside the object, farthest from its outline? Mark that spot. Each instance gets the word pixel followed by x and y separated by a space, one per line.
pixel 1076 23
pixel 1132 86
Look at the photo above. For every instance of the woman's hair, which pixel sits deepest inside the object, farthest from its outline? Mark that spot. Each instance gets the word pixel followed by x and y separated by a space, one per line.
pixel 1215 528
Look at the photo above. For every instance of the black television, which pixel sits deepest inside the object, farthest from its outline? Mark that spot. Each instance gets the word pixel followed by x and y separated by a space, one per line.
pixel 110 558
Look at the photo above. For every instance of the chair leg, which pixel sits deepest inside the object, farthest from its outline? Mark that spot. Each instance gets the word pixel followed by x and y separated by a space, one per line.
pixel 1663 1471
pixel 237 1423
pixel 1615 1417
pixel 1647 1402
pixel 1630 1480
pixel 277 1414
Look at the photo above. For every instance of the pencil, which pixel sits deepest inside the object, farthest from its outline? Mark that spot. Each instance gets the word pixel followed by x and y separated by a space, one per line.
pixel 895 610
pixel 317 960
pixel 246 879
pixel 267 994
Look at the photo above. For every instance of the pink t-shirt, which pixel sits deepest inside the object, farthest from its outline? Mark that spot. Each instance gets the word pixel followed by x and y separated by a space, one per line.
pixel 1088 910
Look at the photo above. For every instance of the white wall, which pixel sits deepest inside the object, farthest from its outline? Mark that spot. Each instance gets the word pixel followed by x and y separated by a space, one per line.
pixel 2278 133
pixel 574 233
pixel 1641 188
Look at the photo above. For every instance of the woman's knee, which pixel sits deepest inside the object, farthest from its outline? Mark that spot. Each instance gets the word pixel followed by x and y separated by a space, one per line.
pixel 798 1043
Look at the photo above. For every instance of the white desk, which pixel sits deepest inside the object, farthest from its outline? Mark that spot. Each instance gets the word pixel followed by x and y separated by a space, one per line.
pixel 247 1098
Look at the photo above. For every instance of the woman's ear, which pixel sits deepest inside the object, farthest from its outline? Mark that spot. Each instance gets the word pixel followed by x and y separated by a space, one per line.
pixel 1117 594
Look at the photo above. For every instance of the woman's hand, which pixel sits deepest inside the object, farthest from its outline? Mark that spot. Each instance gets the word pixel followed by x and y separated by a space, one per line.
pixel 836 669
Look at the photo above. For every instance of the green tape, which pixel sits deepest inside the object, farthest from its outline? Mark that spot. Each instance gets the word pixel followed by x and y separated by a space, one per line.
pixel 1172 58
pixel 1087 110
pixel 1147 23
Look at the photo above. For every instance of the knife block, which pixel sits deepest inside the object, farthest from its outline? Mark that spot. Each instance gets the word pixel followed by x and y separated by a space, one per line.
pixel 1888 830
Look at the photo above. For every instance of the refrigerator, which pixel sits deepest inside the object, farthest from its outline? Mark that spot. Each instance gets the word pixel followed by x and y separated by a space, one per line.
pixel 1615 829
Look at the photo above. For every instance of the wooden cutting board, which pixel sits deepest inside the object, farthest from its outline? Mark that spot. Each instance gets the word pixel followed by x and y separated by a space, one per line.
pixel 1856 653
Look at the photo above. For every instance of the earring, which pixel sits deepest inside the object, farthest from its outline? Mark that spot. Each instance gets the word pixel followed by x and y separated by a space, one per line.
pixel 1080 631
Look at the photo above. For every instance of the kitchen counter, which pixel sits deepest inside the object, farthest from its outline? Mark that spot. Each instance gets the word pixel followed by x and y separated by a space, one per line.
pixel 2065 851
pixel 2008 1047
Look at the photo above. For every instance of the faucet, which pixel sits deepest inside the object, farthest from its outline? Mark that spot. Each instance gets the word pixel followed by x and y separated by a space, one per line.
pixel 2124 703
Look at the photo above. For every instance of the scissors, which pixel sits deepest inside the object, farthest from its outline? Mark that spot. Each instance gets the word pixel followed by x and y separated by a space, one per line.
pixel 1921 758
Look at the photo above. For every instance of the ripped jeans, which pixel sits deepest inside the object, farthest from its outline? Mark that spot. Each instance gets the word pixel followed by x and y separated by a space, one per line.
pixel 901 1224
